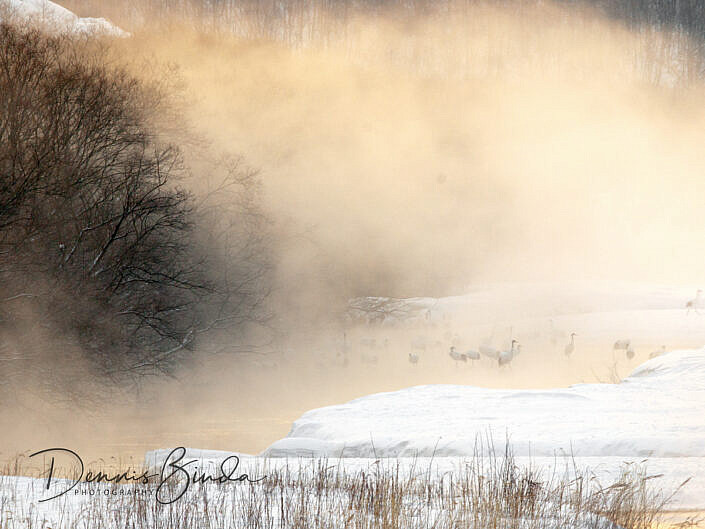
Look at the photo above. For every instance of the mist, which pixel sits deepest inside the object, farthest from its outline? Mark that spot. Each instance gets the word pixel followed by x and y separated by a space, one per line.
pixel 408 181
pixel 422 156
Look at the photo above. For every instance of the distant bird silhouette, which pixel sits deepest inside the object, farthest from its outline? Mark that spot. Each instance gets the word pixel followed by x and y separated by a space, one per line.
pixel 622 344
pixel 455 355
pixel 630 352
pixel 505 357
pixel 571 346
pixel 694 304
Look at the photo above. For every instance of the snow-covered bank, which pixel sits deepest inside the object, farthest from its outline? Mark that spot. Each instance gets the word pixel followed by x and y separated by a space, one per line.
pixel 654 417
pixel 672 472
pixel 313 493
pixel 55 17
pixel 512 301
pixel 658 411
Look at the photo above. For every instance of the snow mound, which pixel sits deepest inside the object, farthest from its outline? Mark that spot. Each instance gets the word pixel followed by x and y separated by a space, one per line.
pixel 509 302
pixel 656 412
pixel 56 18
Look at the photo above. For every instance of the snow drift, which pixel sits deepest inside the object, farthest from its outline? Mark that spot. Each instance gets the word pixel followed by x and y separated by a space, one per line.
pixel 656 412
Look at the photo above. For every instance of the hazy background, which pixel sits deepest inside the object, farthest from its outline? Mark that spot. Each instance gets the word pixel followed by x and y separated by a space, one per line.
pixel 415 157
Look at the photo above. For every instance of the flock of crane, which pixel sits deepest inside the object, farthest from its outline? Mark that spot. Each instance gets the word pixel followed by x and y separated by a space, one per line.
pixel 505 357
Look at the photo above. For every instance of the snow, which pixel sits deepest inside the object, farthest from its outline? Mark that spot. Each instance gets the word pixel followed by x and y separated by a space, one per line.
pixel 238 506
pixel 51 15
pixel 671 472
pixel 513 301
pixel 655 412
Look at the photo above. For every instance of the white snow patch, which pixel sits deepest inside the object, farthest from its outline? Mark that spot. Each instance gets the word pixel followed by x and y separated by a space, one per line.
pixel 56 18
pixel 656 412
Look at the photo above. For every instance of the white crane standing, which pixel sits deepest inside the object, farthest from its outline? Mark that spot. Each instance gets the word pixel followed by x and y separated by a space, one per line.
pixel 695 303
pixel 571 346
pixel 630 352
pixel 505 357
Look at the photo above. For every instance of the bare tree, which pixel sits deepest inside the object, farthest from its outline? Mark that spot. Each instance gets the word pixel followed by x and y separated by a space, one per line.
pixel 99 240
